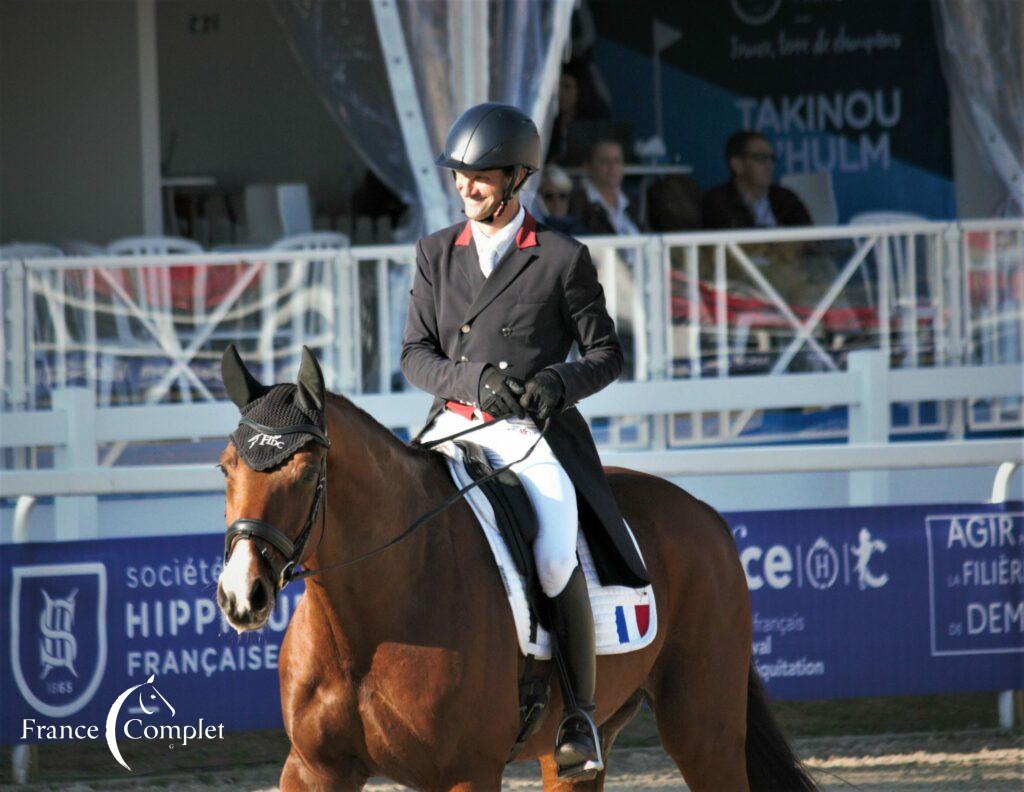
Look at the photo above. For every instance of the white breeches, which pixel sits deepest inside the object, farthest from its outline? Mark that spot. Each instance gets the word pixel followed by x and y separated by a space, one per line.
pixel 547 484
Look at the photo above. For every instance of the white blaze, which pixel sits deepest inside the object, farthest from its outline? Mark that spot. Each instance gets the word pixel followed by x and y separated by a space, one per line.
pixel 235 579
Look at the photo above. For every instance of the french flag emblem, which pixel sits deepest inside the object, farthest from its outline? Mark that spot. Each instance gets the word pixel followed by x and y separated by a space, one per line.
pixel 632 622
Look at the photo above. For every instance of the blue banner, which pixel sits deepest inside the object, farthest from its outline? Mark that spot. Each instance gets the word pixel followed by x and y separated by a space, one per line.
pixel 846 602
pixel 854 88
pixel 895 600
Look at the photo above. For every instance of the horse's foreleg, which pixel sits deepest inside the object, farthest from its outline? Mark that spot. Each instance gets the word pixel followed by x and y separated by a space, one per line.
pixel 297 777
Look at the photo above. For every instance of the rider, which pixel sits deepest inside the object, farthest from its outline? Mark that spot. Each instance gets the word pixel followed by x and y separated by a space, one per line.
pixel 495 306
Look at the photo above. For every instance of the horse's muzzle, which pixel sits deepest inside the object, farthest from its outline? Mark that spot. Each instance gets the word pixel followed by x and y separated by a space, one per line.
pixel 244 594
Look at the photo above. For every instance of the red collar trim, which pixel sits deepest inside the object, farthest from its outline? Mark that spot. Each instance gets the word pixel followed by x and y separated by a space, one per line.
pixel 526 236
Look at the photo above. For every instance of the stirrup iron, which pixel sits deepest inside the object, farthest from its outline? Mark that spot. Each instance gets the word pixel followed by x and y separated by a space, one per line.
pixel 590 768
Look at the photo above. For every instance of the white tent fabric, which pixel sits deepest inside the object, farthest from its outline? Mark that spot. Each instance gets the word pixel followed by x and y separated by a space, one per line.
pixel 394 74
pixel 982 46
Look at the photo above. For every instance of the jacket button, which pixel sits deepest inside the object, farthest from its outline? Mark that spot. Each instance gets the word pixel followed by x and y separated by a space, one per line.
pixel 464 359
pixel 503 364
pixel 506 331
pixel 465 328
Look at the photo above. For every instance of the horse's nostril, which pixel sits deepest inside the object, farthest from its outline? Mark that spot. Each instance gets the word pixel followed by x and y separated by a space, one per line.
pixel 258 595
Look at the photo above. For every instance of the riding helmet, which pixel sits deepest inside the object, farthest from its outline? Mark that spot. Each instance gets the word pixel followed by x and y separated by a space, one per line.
pixel 493 136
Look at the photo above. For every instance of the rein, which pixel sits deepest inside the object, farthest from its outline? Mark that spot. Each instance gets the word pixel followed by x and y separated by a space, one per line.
pixel 437 509
pixel 292 550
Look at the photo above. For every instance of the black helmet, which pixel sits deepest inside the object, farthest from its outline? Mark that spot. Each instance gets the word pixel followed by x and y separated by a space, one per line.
pixel 493 136
pixel 489 136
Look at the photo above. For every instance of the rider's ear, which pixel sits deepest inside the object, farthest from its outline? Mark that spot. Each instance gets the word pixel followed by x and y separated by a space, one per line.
pixel 242 387
pixel 310 382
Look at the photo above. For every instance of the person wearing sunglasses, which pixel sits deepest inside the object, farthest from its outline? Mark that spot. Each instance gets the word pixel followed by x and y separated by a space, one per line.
pixel 750 199
pixel 555 192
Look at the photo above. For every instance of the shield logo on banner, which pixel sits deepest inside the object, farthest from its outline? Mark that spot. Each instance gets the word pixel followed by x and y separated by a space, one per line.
pixel 59 634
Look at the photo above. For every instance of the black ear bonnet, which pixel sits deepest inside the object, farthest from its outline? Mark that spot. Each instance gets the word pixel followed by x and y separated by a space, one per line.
pixel 276 420
pixel 275 426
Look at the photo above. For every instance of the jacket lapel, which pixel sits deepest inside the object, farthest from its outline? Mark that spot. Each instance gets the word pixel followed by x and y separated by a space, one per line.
pixel 466 257
pixel 515 261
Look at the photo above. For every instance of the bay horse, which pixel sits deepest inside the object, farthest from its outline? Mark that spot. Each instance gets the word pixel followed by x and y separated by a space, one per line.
pixel 406 665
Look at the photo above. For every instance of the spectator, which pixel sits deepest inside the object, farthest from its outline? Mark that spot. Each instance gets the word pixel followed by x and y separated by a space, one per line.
pixel 673 204
pixel 578 100
pixel 555 192
pixel 750 199
pixel 600 202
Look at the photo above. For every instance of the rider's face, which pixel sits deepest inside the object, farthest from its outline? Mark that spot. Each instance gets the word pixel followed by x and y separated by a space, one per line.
pixel 480 191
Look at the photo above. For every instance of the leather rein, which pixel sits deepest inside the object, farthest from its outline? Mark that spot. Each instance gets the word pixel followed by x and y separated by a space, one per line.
pixel 292 549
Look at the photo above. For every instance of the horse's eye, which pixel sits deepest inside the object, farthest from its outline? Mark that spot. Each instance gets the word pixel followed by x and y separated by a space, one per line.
pixel 222 470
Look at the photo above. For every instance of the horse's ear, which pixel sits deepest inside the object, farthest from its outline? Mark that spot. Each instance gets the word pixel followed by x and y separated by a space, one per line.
pixel 241 386
pixel 310 382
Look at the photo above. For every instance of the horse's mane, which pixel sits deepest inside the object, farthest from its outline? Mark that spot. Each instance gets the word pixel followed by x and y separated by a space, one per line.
pixel 377 429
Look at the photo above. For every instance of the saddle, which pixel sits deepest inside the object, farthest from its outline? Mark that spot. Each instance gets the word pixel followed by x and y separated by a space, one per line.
pixel 517 523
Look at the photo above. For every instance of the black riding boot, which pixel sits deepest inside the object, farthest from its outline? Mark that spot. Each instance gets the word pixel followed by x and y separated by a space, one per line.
pixel 573 624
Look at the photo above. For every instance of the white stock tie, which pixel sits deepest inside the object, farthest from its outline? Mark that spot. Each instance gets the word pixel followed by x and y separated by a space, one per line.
pixel 489 261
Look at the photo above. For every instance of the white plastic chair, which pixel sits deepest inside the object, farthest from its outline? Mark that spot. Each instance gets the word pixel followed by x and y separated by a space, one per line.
pixel 817 194
pixel 79 247
pixel 315 290
pixel 294 209
pixel 886 218
pixel 28 250
pixel 152 246
pixel 316 240
pixel 159 287
pixel 904 297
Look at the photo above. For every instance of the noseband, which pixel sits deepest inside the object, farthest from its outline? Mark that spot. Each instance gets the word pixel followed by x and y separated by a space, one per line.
pixel 267 533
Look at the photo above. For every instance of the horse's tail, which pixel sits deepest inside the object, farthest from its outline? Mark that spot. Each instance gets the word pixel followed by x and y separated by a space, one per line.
pixel 771 764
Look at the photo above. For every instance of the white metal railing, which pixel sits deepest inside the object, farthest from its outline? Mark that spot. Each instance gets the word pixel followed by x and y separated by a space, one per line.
pixel 76 428
pixel 695 306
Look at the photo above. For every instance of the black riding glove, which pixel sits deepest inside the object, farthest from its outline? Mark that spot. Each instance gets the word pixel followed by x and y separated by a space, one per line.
pixel 544 395
pixel 499 394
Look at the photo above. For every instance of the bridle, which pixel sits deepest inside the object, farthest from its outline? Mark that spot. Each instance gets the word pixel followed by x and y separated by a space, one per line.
pixel 250 528
pixel 292 549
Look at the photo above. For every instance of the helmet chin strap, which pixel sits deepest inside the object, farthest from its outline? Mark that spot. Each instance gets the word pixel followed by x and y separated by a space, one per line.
pixel 510 191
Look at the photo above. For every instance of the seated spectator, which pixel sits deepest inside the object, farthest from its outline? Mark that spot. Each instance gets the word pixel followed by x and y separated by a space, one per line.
pixel 555 191
pixel 749 199
pixel 673 204
pixel 599 201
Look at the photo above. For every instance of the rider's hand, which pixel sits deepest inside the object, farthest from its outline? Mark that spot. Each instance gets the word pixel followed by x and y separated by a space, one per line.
pixel 544 395
pixel 499 394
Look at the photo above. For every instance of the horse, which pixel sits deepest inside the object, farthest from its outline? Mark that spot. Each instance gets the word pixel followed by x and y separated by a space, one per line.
pixel 406 664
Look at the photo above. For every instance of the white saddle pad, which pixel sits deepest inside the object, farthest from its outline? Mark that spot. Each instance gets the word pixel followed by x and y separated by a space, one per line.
pixel 625 619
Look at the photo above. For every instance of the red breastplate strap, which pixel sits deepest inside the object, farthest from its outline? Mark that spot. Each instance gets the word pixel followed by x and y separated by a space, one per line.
pixel 466 410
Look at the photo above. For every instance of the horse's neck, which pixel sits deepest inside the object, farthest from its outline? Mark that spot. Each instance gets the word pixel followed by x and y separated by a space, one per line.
pixel 376 487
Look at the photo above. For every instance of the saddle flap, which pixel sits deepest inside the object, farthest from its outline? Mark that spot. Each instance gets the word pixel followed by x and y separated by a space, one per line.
pixel 515 516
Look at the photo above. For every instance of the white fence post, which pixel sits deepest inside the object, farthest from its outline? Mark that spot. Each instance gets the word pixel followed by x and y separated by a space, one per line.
pixel 76 518
pixel 1000 491
pixel 870 423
